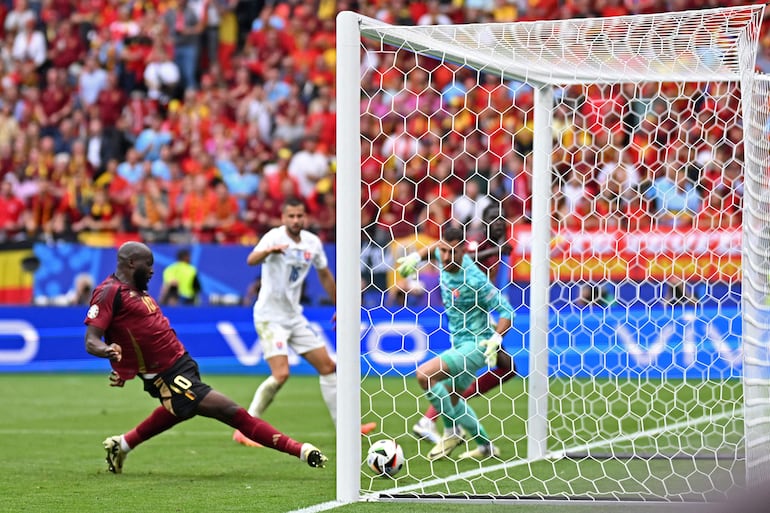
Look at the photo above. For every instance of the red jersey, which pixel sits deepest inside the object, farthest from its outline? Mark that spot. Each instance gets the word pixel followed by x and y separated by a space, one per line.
pixel 134 322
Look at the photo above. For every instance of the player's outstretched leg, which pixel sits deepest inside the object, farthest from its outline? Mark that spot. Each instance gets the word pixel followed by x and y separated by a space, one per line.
pixel 493 378
pixel 439 397
pixel 218 406
pixel 119 446
pixel 263 396
pixel 262 432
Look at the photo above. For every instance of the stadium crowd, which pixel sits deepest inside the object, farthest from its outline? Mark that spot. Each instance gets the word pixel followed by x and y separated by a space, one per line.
pixel 191 120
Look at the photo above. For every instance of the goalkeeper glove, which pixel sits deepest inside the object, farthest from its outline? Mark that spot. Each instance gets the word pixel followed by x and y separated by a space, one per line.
pixel 407 266
pixel 491 347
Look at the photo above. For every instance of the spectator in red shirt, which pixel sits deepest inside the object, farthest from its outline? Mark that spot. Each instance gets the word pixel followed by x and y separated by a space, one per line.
pixel 11 213
pixel 43 216
pixel 324 211
pixel 197 209
pixel 279 180
pixel 66 48
pixel 322 120
pixel 263 211
pixel 111 101
pixel 225 215
pixel 400 214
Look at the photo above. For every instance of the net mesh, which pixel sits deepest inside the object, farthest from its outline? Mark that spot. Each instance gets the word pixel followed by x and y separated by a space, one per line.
pixel 691 45
pixel 648 183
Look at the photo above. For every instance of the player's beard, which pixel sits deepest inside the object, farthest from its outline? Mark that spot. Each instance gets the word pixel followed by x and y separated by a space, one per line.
pixel 294 230
pixel 141 279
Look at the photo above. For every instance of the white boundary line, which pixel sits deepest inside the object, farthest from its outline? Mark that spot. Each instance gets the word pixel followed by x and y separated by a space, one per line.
pixel 326 506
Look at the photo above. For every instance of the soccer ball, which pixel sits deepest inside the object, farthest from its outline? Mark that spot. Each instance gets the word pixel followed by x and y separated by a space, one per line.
pixel 385 457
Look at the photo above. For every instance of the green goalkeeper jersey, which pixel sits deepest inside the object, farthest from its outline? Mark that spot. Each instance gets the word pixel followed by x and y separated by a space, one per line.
pixel 469 297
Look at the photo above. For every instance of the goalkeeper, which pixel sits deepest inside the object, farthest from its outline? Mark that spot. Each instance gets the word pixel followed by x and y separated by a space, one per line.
pixel 488 256
pixel 469 298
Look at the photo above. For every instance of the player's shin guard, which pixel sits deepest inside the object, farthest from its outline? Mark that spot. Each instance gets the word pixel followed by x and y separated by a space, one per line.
pixel 264 396
pixel 329 392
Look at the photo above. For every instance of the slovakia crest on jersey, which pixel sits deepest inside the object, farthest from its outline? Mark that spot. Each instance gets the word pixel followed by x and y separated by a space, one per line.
pixel 306 255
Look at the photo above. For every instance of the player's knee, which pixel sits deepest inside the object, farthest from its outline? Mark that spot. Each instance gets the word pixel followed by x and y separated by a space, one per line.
pixel 228 411
pixel 423 379
pixel 325 368
pixel 281 377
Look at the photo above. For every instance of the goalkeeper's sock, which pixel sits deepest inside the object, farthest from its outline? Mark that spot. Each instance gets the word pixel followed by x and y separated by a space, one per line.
pixel 264 396
pixel 264 433
pixel 329 393
pixel 159 421
pixel 438 396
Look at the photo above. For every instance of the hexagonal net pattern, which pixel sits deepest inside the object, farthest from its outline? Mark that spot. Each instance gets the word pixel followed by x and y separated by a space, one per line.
pixel 653 159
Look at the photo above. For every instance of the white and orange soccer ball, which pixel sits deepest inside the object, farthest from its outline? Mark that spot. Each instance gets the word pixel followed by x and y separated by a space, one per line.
pixel 385 457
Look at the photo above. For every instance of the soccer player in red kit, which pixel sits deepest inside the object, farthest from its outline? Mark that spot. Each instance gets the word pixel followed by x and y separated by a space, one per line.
pixel 125 324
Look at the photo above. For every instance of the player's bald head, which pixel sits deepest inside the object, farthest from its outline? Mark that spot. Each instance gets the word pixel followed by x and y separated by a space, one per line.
pixel 132 250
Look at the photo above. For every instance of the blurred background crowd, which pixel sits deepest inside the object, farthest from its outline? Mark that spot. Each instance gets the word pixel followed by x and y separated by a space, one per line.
pixel 190 121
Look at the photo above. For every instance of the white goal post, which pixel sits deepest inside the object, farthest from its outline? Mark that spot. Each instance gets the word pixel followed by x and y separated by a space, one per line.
pixel 704 46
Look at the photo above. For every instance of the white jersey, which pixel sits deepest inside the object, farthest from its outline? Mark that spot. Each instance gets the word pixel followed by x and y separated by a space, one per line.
pixel 283 274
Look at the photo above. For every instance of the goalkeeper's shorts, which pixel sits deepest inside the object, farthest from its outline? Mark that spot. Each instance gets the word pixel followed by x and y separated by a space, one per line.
pixel 463 362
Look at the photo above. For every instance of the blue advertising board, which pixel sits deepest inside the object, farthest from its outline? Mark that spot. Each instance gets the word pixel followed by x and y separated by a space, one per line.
pixel 222 269
pixel 583 342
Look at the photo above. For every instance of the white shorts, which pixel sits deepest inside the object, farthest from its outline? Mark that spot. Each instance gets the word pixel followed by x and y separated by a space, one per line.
pixel 276 338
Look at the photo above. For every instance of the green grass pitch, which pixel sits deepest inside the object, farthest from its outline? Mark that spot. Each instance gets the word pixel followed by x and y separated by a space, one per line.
pixel 52 460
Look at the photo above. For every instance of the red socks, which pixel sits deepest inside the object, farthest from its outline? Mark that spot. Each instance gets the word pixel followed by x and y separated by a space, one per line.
pixel 256 429
pixel 264 433
pixel 159 421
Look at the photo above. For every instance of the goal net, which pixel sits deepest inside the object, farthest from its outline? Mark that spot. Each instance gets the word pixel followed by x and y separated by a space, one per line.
pixel 602 170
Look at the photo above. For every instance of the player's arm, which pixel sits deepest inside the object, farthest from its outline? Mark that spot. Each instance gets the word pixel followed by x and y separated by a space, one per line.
pixel 326 278
pixel 96 346
pixel 407 265
pixel 493 300
pixel 503 325
pixel 258 255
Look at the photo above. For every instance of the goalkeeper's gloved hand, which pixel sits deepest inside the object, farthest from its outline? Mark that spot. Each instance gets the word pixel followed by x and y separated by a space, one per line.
pixel 407 266
pixel 491 347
